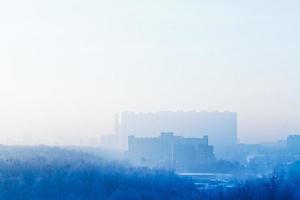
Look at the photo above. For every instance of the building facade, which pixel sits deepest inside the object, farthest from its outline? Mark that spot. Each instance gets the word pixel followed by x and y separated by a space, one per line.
pixel 221 127
pixel 170 151
pixel 293 144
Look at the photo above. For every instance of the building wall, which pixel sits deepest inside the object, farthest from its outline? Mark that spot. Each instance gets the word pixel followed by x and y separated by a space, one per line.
pixel 293 144
pixel 221 127
pixel 170 151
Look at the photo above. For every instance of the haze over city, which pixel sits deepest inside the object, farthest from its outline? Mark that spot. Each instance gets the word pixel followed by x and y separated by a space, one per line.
pixel 67 67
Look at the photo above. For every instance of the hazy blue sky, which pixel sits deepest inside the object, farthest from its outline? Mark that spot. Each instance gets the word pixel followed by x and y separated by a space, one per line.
pixel 67 66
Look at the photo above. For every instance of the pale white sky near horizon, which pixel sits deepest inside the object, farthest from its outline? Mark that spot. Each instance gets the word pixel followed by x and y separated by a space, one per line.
pixel 67 66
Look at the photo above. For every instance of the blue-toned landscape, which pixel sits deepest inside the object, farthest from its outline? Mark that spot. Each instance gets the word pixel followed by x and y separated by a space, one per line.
pixel 149 100
pixel 56 173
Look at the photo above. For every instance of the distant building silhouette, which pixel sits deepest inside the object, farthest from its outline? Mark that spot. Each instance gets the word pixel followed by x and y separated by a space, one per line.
pixel 170 151
pixel 109 141
pixel 293 144
pixel 221 127
pixel 112 141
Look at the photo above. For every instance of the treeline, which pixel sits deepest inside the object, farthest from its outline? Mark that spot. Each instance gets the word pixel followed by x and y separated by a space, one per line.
pixel 52 173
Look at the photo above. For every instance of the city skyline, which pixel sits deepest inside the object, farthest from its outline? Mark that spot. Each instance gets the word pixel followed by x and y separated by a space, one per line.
pixel 150 99
pixel 67 66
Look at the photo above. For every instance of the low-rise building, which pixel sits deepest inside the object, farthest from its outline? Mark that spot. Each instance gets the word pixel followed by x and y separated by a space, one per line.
pixel 293 144
pixel 170 151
